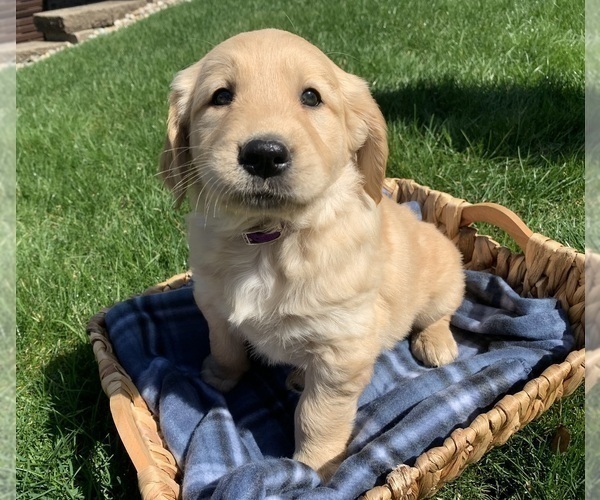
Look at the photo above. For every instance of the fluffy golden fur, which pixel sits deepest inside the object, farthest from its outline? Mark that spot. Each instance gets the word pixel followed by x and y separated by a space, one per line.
pixel 351 274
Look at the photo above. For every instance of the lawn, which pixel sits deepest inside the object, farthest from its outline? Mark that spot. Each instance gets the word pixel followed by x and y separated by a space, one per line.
pixel 484 100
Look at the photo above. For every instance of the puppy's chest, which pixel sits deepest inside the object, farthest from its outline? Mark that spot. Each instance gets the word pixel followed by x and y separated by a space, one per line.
pixel 252 291
pixel 251 285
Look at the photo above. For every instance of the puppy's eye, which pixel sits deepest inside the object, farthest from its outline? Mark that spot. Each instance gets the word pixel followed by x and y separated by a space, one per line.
pixel 222 97
pixel 311 98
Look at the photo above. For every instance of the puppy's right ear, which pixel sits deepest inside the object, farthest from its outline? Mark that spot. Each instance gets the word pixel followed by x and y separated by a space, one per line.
pixel 367 132
pixel 175 159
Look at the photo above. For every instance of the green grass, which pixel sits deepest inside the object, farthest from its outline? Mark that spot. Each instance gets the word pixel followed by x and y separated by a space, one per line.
pixel 527 467
pixel 484 100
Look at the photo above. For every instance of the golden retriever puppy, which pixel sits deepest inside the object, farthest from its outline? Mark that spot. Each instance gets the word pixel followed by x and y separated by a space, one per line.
pixel 295 254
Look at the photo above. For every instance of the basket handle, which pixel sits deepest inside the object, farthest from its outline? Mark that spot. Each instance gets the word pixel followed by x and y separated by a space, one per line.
pixel 499 216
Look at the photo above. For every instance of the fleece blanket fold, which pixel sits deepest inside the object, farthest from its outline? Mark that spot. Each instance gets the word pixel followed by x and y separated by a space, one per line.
pixel 239 445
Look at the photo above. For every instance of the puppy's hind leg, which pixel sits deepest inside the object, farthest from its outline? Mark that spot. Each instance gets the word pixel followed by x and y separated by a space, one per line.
pixel 434 344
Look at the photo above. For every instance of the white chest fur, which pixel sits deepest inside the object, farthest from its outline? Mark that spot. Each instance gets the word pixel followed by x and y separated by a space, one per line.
pixel 282 296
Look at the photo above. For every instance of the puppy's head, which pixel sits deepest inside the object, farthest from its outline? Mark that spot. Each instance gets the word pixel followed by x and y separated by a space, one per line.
pixel 266 121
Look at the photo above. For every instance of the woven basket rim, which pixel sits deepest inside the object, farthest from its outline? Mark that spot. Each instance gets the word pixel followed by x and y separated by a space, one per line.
pixel 158 474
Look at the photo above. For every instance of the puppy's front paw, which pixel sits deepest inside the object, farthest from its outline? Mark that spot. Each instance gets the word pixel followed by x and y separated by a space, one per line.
pixel 325 469
pixel 217 376
pixel 434 346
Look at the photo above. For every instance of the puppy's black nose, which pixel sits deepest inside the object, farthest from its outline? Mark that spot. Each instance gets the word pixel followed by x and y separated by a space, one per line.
pixel 264 158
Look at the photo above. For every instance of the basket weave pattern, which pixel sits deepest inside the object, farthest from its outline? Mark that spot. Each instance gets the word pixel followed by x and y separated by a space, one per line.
pixel 138 428
pixel 544 269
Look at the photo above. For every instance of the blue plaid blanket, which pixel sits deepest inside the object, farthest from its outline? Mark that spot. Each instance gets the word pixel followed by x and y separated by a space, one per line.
pixel 239 445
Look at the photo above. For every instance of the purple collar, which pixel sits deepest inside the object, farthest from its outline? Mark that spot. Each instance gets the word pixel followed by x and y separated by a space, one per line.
pixel 260 237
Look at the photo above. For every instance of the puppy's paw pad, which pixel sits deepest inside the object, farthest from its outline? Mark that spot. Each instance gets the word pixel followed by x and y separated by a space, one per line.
pixel 434 352
pixel 216 376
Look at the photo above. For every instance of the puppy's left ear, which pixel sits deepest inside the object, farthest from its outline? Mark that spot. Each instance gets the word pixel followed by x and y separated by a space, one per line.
pixel 367 132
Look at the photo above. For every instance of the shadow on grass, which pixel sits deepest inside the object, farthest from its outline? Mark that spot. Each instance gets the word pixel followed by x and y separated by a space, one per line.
pixel 546 119
pixel 100 464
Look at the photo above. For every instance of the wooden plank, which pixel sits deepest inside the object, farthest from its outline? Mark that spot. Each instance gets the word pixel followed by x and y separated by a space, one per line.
pixel 28 13
pixel 29 37
pixel 25 15
pixel 28 3
pixel 29 34
pixel 26 6
pixel 23 22
pixel 25 30
pixel 22 28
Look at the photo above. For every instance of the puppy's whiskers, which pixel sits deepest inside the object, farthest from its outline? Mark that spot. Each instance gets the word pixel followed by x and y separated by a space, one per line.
pixel 211 193
pixel 217 200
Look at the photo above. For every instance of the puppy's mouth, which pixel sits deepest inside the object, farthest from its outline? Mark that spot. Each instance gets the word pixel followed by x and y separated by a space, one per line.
pixel 263 198
pixel 250 193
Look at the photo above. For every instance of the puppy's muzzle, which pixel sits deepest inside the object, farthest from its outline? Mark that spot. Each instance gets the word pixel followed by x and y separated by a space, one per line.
pixel 264 158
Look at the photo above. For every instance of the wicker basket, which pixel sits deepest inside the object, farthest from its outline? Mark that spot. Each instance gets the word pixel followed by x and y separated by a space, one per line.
pixel 544 269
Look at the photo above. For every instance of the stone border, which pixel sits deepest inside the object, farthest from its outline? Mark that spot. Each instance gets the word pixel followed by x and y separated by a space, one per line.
pixel 28 53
